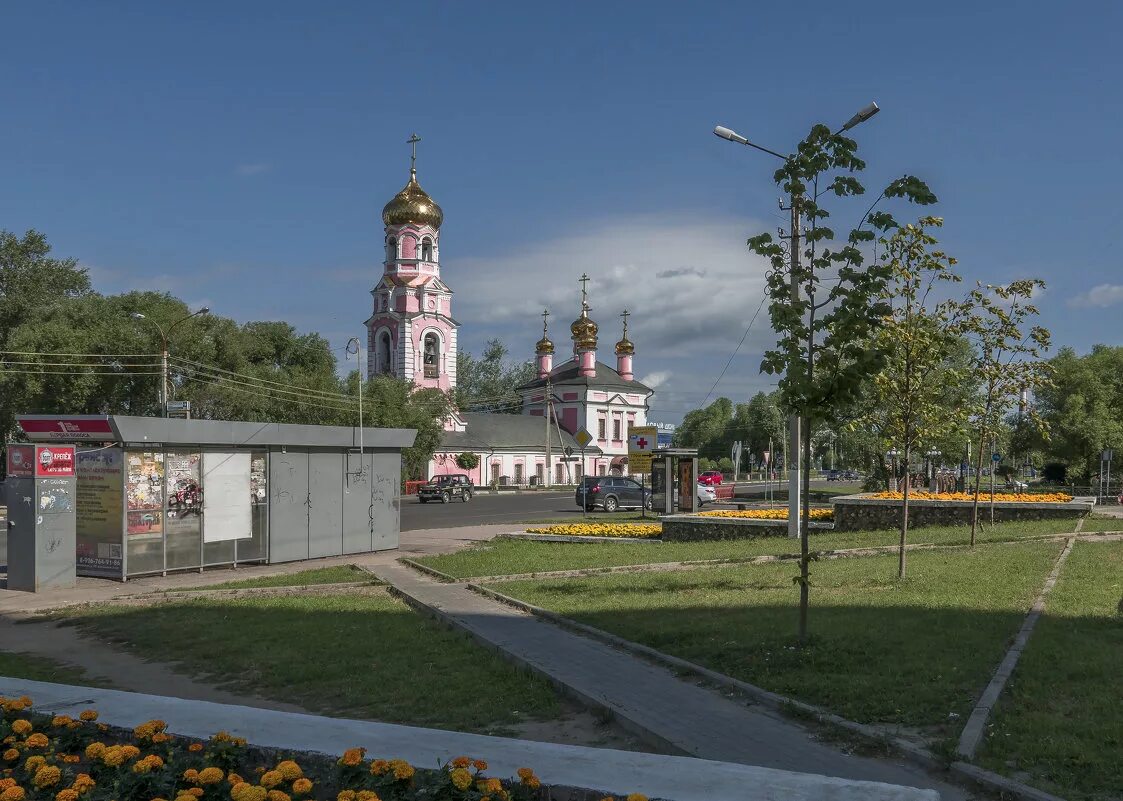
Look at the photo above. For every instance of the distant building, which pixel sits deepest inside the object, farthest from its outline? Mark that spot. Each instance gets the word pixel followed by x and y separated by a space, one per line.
pixel 412 334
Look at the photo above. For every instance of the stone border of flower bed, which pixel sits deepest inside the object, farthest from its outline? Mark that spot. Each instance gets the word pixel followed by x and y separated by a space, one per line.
pixel 863 511
pixel 918 754
pixel 523 535
pixel 694 528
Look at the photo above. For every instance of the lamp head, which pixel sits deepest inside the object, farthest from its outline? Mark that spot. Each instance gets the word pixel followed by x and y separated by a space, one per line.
pixel 863 114
pixel 204 310
pixel 137 316
pixel 732 136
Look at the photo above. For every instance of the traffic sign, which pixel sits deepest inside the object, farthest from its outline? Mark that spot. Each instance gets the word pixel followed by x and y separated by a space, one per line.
pixel 583 437
pixel 996 457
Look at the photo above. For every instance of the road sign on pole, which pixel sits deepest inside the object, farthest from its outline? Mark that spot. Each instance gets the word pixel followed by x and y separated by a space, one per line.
pixel 996 457
pixel 583 438
pixel 641 443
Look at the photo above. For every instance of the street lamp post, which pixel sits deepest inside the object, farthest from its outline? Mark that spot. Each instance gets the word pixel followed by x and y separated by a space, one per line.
pixel 794 466
pixel 892 454
pixel 164 335
pixel 932 456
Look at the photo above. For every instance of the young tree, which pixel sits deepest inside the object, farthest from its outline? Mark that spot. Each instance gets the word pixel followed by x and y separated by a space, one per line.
pixel 910 396
pixel 488 384
pixel 822 352
pixel 1007 360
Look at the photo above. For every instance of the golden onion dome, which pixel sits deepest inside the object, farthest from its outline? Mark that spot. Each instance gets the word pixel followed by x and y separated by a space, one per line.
pixel 412 205
pixel 584 330
pixel 625 347
pixel 544 347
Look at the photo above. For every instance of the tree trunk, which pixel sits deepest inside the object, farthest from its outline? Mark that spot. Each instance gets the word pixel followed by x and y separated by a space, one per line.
pixel 804 530
pixel 904 515
pixel 978 480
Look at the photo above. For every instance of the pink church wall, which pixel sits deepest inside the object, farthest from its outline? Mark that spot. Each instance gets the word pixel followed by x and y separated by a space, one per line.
pixel 588 363
pixel 444 464
pixel 569 420
pixel 624 367
pixel 569 396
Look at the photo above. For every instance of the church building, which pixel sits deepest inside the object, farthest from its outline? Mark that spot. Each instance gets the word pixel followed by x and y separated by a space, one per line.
pixel 413 335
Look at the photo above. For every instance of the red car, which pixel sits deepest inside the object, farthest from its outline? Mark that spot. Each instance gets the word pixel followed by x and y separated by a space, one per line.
pixel 711 478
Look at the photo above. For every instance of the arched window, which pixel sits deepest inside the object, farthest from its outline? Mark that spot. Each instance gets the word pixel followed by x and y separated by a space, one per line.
pixel 426 249
pixel 431 355
pixel 391 249
pixel 385 360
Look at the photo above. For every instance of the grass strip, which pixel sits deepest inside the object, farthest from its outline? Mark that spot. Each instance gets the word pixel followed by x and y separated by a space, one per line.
pixel 40 668
pixel 354 656
pixel 340 574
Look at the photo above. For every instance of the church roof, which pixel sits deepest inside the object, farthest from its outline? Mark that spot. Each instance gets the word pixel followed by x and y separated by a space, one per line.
pixel 606 378
pixel 412 205
pixel 492 430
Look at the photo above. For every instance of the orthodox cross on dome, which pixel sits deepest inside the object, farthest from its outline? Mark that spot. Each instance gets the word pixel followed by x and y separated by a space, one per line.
pixel 584 280
pixel 413 140
pixel 545 314
pixel 626 314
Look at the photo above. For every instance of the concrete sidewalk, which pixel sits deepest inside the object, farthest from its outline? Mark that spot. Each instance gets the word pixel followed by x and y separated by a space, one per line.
pixel 617 772
pixel 647 698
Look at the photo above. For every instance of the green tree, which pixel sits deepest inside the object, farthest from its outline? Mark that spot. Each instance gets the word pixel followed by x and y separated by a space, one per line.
pixel 909 403
pixel 822 354
pixel 707 429
pixel 1007 361
pixel 488 384
pixel 396 403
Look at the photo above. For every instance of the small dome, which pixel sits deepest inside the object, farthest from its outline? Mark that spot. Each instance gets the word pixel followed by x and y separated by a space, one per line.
pixel 584 330
pixel 412 205
pixel 544 346
pixel 625 347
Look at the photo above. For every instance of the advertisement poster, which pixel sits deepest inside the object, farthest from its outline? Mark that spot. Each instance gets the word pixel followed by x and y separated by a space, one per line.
pixel 144 493
pixel 21 460
pixel 257 480
pixel 185 496
pixel 686 485
pixel 54 461
pixel 226 508
pixel 99 503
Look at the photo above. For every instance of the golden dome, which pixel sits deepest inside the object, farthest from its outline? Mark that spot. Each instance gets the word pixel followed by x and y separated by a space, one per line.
pixel 584 330
pixel 412 205
pixel 625 347
pixel 544 346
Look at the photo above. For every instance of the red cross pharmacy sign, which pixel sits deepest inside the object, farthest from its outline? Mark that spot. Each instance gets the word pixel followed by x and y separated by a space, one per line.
pixel 641 443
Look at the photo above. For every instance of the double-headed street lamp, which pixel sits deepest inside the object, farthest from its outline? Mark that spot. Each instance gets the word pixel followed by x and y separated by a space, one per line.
pixel 164 334
pixel 932 455
pixel 796 449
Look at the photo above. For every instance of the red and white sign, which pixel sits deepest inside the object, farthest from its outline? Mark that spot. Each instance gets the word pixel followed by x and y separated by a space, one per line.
pixel 21 460
pixel 66 428
pixel 54 461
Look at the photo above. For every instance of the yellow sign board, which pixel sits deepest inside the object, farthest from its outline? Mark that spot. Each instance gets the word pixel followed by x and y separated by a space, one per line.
pixel 641 443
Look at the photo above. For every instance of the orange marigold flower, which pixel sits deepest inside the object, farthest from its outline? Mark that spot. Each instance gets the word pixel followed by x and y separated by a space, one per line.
pixel 191 775
pixel 194 792
pixel 160 737
pixel 353 756
pixel 345 795
pixel 11 755
pixel 636 797
pixel 195 748
pixel 83 783
pixel 211 776
pixel 247 792
pixel 33 764
pixel 22 727
pixel 6 783
pixel 379 767
pixel 489 786
pixel 402 770
pixel 366 795
pixel 271 779
pixel 479 764
pixel 525 773
pixel 95 750
pixel 61 720
pixel 13 794
pixel 234 778
pixel 69 794
pixel 278 795
pixel 290 770
pixel 461 778
pixel 533 782
pixel 88 715
pixel 461 762
pixel 102 727
pixel 302 786
pixel 38 740
pixel 71 759
pixel 46 776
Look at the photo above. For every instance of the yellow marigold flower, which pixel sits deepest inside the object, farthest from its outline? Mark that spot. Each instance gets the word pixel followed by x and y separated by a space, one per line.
pixel 13 794
pixel 211 776
pixel 184 796
pixel 34 763
pixel 278 795
pixel 46 776
pixel 525 773
pixel 102 727
pixel 37 740
pixel 71 759
pixel 61 720
pixel 160 737
pixel 191 775
pixel 402 770
pixel 95 750
pixel 461 778
pixel 248 792
pixel 11 755
pixel 6 783
pixel 379 767
pixel 234 778
pixel 290 770
pixel 271 779
pixel 489 786
pixel 130 751
pixel 533 782
pixel 302 786
pixel 88 715
pixel 353 756
pixel 194 792
pixel 83 783
pixel 22 727
pixel 461 762
pixel 479 764
pixel 345 795
pixel 69 794
pixel 11 738
pixel 636 797
pixel 366 795
pixel 195 748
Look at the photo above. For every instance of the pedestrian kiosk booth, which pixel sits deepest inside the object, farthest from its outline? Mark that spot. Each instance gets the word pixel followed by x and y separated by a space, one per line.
pixel 152 495
pixel 674 480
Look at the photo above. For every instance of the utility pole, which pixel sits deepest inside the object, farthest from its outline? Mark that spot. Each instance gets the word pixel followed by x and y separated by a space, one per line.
pixel 164 335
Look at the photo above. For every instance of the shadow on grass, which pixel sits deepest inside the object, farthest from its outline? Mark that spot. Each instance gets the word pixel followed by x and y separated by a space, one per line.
pixel 353 656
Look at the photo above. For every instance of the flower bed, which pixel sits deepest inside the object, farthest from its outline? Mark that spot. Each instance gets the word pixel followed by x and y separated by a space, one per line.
pixel 44 758
pixel 984 497
pixel 766 514
pixel 629 530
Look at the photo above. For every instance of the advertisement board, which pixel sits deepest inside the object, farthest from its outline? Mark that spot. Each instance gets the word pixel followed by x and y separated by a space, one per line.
pixel 54 461
pixel 21 460
pixel 99 501
pixel 226 504
pixel 66 428
pixel 641 443
pixel 144 493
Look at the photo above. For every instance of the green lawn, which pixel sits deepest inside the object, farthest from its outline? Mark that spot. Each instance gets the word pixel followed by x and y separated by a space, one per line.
pixel 1102 523
pixel 1061 717
pixel 38 668
pixel 913 652
pixel 349 655
pixel 320 575
pixel 505 557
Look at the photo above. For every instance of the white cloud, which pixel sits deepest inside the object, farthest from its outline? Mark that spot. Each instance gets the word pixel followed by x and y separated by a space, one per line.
pixel 256 168
pixel 1099 296
pixel 656 379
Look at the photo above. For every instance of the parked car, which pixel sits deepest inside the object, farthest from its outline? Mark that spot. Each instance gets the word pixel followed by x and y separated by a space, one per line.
pixel 445 488
pixel 711 478
pixel 611 493
pixel 1016 485
pixel 706 494
pixel 851 475
pixel 834 475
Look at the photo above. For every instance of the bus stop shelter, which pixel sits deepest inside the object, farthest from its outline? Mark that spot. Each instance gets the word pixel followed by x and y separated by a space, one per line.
pixel 153 495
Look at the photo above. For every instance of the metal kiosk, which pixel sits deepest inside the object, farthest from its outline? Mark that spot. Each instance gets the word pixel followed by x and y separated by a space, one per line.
pixel 674 480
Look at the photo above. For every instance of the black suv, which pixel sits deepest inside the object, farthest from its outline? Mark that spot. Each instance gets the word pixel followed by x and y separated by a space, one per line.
pixel 445 488
pixel 611 493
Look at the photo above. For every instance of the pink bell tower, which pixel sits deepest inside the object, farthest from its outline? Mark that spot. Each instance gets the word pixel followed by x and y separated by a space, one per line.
pixel 411 333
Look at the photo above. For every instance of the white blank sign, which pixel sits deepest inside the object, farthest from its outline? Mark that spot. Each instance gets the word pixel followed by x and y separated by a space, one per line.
pixel 226 496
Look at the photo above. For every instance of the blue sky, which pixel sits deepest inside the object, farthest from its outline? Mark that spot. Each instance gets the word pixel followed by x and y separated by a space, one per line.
pixel 239 154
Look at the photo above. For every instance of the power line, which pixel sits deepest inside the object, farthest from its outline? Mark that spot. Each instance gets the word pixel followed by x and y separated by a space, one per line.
pixel 218 371
pixel 735 350
pixel 90 355
pixel 223 385
pixel 121 373
pixel 285 393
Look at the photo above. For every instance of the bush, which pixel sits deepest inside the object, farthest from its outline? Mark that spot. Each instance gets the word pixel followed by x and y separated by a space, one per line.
pixel 705 464
pixel 725 464
pixel 1054 472
pixel 467 461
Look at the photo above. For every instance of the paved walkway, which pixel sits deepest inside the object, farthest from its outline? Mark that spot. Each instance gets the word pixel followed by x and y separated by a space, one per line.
pixel 648 698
